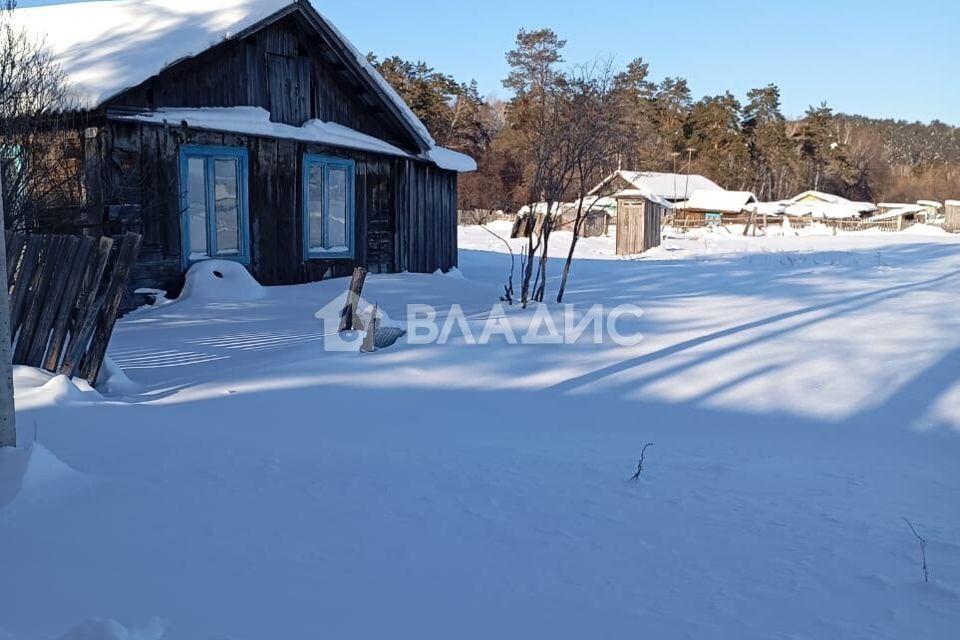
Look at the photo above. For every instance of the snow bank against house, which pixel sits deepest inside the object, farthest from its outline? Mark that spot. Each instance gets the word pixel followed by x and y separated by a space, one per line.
pixel 221 281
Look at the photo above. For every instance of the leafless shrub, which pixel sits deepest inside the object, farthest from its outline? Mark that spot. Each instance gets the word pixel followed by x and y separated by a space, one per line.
pixel 41 146
pixel 643 456
pixel 923 550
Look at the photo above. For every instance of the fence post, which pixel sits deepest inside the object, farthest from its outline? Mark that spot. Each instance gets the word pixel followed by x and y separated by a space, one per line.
pixel 8 432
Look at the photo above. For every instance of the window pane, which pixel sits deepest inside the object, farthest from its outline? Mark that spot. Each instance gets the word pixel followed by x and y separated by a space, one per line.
pixel 336 239
pixel 227 205
pixel 197 207
pixel 315 206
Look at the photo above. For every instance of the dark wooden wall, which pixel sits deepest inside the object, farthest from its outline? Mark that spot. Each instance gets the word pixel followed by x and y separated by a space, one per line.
pixel 284 68
pixel 405 209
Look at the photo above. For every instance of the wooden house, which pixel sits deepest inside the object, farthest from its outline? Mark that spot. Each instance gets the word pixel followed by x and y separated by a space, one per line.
pixel 668 187
pixel 251 131
pixel 712 207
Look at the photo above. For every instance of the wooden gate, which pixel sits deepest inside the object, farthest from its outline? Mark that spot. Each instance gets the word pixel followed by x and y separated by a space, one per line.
pixel 65 293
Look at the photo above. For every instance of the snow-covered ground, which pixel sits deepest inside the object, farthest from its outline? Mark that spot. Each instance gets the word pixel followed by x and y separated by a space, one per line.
pixel 802 394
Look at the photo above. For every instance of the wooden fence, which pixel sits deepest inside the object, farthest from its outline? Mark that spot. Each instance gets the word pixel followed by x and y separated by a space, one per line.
pixel 65 294
pixel 692 221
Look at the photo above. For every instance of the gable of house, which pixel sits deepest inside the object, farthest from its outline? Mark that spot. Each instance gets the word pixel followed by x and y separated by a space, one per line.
pixel 279 55
pixel 666 186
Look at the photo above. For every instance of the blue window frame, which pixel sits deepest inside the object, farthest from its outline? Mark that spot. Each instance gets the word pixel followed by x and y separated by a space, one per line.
pixel 328 207
pixel 214 219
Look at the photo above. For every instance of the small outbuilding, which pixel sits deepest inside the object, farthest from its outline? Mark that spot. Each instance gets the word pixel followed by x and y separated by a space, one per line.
pixel 951 213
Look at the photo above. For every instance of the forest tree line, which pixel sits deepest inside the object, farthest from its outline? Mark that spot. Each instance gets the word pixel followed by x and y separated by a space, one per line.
pixel 657 125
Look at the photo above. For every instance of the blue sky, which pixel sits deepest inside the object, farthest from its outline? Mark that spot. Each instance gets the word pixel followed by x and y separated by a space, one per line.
pixel 877 58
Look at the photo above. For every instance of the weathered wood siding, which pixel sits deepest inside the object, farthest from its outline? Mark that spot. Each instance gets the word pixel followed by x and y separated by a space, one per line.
pixel 952 216
pixel 405 209
pixel 284 68
pixel 638 226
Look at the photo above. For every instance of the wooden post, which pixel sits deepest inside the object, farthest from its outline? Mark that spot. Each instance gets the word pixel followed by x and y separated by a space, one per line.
pixel 8 431
pixel 370 340
pixel 348 317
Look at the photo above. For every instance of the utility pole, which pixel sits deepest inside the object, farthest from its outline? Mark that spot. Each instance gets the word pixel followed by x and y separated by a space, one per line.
pixel 8 431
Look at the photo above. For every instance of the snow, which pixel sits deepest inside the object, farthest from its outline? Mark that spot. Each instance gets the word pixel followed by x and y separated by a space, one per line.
pixel 221 280
pixel 896 213
pixel 107 47
pixel 801 391
pixel 667 186
pixel 719 201
pixel 256 121
pixel 830 210
pixel 820 196
pixel 645 194
pixel 452 160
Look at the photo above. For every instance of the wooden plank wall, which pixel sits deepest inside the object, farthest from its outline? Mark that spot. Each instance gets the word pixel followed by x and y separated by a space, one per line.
pixel 638 226
pixel 283 68
pixel 952 213
pixel 405 209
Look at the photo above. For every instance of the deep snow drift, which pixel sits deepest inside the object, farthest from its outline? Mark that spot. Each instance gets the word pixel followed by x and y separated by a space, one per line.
pixel 802 395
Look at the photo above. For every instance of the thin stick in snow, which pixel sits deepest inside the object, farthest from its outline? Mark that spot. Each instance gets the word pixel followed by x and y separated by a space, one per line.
pixel 643 456
pixel 923 550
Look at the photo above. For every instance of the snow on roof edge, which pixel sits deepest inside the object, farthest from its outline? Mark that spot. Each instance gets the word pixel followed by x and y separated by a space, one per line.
pixel 256 121
pixel 452 160
pixel 66 29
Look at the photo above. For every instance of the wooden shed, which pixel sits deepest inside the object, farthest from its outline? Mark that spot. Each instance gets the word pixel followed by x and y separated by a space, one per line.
pixel 639 222
pixel 247 130
pixel 952 216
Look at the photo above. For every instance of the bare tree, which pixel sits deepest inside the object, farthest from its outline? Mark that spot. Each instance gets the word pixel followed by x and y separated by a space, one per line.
pixel 40 131
pixel 593 134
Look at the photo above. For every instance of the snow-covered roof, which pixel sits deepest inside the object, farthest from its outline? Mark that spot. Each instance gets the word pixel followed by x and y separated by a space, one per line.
pixel 256 121
pixel 719 201
pixel 895 205
pixel 645 194
pixel 668 186
pixel 106 47
pixel 769 208
pixel 952 203
pixel 896 213
pixel 830 210
pixel 820 196
pixel 933 204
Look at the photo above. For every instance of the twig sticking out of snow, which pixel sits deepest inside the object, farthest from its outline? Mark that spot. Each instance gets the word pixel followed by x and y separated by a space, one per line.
pixel 507 288
pixel 923 550
pixel 643 456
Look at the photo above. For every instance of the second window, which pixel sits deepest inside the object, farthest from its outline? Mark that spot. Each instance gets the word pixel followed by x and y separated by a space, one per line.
pixel 328 207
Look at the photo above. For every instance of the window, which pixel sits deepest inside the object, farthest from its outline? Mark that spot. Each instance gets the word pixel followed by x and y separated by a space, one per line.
pixel 215 221
pixel 328 215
